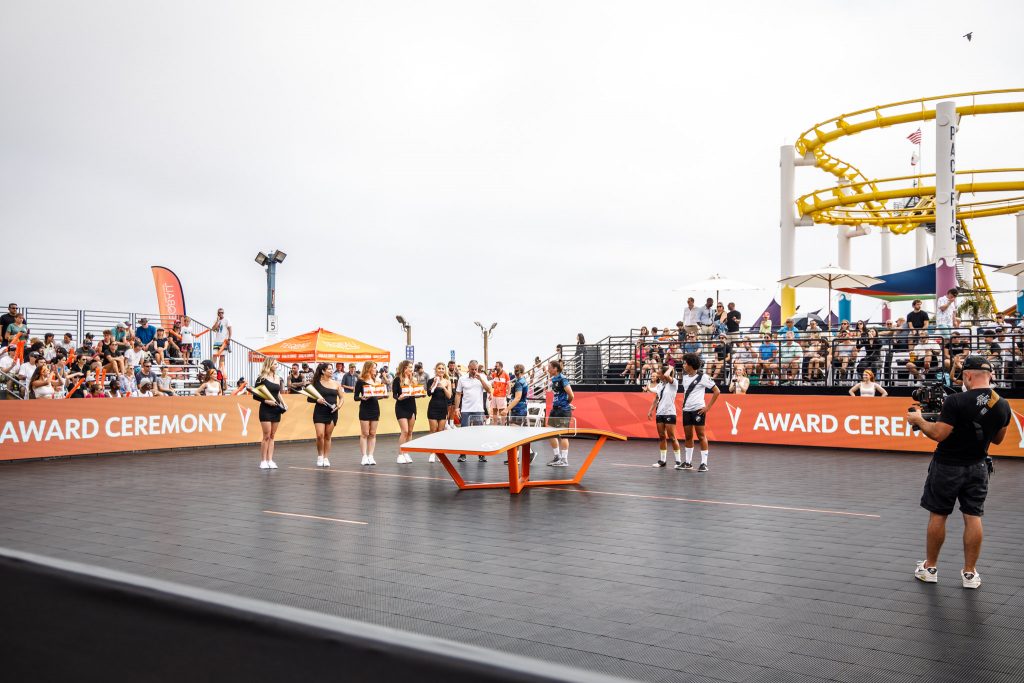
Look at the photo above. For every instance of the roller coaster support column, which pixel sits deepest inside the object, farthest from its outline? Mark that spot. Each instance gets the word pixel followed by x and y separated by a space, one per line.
pixel 945 197
pixel 1020 257
pixel 886 269
pixel 920 247
pixel 843 238
pixel 788 162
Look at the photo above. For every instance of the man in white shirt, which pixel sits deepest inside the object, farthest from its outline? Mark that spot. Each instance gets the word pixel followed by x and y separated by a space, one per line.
pixel 221 331
pixel 8 365
pixel 945 313
pixel 694 386
pixel 27 369
pixel 665 404
pixel 469 399
pixel 133 356
pixel 691 318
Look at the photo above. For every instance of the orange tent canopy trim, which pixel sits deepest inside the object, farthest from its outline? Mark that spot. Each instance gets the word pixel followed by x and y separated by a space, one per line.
pixel 321 345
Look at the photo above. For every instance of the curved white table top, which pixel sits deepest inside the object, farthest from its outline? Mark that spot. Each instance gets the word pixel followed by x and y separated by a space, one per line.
pixel 493 439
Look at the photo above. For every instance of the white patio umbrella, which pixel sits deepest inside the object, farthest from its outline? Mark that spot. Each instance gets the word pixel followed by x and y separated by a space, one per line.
pixel 1011 269
pixel 719 284
pixel 830 277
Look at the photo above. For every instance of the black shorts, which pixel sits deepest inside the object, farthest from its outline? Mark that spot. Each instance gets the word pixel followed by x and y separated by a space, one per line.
pixel 665 419
pixel 948 483
pixel 693 418
pixel 559 417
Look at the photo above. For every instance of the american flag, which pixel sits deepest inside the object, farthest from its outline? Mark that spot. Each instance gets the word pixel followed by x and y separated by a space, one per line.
pixel 915 137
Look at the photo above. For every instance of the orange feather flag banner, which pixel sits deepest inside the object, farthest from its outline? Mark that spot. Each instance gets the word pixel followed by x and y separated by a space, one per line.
pixel 169 296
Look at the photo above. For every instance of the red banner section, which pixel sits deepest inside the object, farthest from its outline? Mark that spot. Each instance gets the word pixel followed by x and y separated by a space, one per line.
pixel 826 421
pixel 47 428
pixel 169 296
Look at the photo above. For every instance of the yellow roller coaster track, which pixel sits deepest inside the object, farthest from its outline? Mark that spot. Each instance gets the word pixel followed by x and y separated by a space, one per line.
pixel 858 200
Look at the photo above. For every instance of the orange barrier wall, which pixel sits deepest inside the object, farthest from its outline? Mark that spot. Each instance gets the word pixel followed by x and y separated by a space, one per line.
pixel 47 428
pixel 828 421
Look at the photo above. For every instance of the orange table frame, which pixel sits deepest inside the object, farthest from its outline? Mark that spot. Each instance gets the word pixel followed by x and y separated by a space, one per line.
pixel 520 453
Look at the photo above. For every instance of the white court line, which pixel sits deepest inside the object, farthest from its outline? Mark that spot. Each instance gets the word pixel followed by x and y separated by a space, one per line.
pixel 331 470
pixel 712 502
pixel 325 519
pixel 626 464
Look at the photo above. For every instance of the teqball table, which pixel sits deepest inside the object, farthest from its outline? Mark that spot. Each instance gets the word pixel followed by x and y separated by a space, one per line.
pixel 488 440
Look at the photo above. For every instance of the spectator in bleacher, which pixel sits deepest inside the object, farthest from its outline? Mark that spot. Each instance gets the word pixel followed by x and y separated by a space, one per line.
pixel 8 318
pixel 718 326
pixel 87 349
pixel 740 383
pixel 134 356
pixel 956 346
pixel 787 327
pixel 211 385
pixel 161 346
pixel 96 390
pixel 145 372
pixel 44 384
pixel 221 331
pixel 706 318
pixel 145 389
pixel 26 370
pixel 872 346
pixel 629 372
pixel 9 366
pixel 16 330
pixel 917 319
pixel 844 352
pixel 49 349
pixel 733 318
pixel 691 345
pixel 815 357
pixel 768 357
pixel 691 318
pixel 791 357
pixel 926 353
pixel 945 313
pixel 766 324
pixel 813 330
pixel 717 361
pixel 145 333
pixel 68 344
pixel 112 353
pixel 867 386
pixel 163 386
pixel 860 334
pixel 295 380
pixel 744 356
pixel 187 343
pixel 129 387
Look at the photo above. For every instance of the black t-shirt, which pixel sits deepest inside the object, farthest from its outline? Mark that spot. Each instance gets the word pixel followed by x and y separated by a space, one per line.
pixel 957 347
pixel 732 320
pixel 917 319
pixel 961 411
pixel 722 350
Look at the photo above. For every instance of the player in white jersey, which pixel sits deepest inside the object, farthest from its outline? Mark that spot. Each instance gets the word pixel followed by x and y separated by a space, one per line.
pixel 695 384
pixel 665 404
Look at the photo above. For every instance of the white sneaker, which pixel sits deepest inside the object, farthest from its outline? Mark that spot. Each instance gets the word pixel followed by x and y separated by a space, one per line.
pixel 370 460
pixel 971 579
pixel 432 458
pixel 327 463
pixel 929 574
pixel 408 459
pixel 263 465
pixel 561 463
pixel 365 460
pixel 272 465
pixel 319 461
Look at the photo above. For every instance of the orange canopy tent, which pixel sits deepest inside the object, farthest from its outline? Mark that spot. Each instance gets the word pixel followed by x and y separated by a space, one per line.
pixel 321 345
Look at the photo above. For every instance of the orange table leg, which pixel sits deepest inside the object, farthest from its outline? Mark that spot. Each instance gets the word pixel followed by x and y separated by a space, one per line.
pixel 459 481
pixel 515 485
pixel 579 475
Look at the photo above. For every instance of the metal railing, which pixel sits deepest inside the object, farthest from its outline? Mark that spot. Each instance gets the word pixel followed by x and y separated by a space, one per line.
pixel 897 357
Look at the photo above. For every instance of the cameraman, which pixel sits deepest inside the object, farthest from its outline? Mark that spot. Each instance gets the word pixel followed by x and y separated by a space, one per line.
pixel 968 423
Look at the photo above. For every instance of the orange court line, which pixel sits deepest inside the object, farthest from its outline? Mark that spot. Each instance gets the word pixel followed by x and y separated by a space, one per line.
pixel 712 502
pixel 326 519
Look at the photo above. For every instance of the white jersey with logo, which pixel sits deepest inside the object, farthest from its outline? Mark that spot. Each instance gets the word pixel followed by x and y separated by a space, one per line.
pixel 666 393
pixel 695 399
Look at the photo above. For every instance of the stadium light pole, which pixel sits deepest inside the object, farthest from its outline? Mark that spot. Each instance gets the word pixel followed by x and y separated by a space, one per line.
pixel 407 328
pixel 269 263
pixel 487 332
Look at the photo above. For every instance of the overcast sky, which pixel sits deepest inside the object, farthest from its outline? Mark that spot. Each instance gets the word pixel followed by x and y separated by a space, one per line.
pixel 532 163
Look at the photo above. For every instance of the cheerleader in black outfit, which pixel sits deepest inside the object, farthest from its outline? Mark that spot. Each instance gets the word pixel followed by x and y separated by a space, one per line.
pixel 270 412
pixel 440 391
pixel 324 416
pixel 405 407
pixel 369 412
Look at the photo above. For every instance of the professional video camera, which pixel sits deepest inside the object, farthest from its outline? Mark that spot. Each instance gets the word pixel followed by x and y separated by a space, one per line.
pixel 930 397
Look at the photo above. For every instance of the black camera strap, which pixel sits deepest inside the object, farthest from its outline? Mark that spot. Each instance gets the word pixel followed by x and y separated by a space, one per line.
pixel 693 385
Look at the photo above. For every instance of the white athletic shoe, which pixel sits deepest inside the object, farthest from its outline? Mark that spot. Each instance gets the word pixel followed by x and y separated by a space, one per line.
pixel 971 579
pixel 561 463
pixel 272 465
pixel 365 460
pixel 408 459
pixel 930 574
pixel 401 458
pixel 432 458
pixel 319 461
pixel 263 465
pixel 327 463
pixel 370 460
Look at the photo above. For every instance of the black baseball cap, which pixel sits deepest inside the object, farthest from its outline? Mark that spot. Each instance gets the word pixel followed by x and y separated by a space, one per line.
pixel 977 363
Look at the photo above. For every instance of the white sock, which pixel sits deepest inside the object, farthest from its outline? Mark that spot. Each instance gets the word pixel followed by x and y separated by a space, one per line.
pixel 689 455
pixel 565 454
pixel 703 457
pixel 662 456
pixel 679 456
pixel 558 453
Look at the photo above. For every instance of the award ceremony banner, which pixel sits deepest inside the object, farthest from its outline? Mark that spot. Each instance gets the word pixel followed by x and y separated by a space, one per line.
pixel 47 428
pixel 825 421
